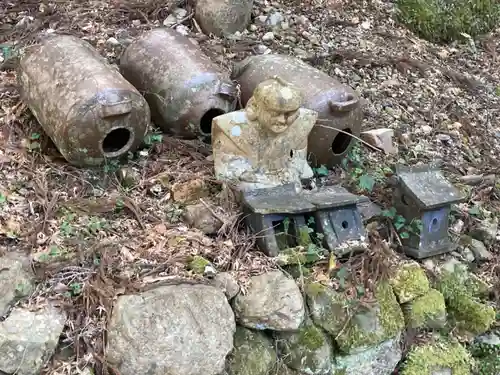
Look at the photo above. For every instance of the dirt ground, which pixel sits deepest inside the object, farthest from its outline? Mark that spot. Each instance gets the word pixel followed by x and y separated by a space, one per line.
pixel 91 239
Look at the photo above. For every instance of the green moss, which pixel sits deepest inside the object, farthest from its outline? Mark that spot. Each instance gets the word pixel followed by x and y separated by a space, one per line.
pixel 391 315
pixel 341 371
pixel 489 365
pixel 306 351
pixel 304 237
pixel 311 337
pixel 315 289
pixel 197 264
pixel 426 311
pixel 409 282
pixel 373 324
pixel 253 353
pixel 470 314
pixel 296 255
pixel 446 20
pixel 425 359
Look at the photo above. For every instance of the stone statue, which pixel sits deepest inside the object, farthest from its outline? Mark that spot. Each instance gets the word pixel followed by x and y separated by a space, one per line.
pixel 265 144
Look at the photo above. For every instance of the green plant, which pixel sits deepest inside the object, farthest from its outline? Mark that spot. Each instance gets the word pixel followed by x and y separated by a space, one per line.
pixel 321 171
pixel 448 20
pixel 359 171
pixel 403 228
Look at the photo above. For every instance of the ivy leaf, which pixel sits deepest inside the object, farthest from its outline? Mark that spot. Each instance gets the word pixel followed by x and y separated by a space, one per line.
pixel 366 182
pixel 390 213
pixel 399 222
pixel 321 171
pixel 404 235
pixel 342 275
pixel 474 210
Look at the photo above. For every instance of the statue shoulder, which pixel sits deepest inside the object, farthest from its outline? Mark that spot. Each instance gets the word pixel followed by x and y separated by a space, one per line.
pixel 229 123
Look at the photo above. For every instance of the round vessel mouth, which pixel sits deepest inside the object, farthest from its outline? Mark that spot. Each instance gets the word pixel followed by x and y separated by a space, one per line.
pixel 206 120
pixel 117 142
pixel 341 142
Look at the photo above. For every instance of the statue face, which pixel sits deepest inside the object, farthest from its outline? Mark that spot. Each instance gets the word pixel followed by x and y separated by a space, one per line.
pixel 276 122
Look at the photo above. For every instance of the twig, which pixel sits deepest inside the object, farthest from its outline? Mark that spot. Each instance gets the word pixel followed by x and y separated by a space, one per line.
pixel 181 21
pixel 349 134
pixel 212 211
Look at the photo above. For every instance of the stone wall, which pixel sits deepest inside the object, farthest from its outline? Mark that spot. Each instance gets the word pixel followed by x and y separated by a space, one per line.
pixel 276 325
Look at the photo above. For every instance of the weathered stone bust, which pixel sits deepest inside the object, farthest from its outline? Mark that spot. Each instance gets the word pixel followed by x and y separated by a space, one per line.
pixel 265 144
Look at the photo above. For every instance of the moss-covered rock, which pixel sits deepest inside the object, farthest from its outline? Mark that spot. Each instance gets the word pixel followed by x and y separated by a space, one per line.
pixel 427 311
pixel 272 301
pixel 486 350
pixel 197 264
pixel 464 307
pixel 308 350
pixel 253 353
pixel 437 356
pixel 372 323
pixel 446 20
pixel 329 309
pixel 378 360
pixel 409 282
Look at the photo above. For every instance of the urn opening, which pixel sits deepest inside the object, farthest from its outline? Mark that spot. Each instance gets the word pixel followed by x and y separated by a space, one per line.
pixel 116 142
pixel 341 142
pixel 206 120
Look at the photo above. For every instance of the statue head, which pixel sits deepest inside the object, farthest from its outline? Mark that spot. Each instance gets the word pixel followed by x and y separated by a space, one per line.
pixel 274 105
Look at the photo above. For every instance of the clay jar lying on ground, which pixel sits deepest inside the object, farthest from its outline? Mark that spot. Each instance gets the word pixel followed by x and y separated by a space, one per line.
pixel 183 87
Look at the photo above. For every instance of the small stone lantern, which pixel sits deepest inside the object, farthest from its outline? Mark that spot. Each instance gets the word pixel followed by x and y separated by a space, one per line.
pixel 423 193
pixel 282 218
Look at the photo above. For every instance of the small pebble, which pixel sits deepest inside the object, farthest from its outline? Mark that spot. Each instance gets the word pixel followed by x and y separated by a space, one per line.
pixel 267 37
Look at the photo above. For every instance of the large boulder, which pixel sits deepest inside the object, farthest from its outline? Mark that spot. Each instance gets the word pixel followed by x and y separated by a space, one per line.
pixel 309 350
pixel 463 292
pixel 427 311
pixel 380 359
pixel 272 301
pixel 253 353
pixel 409 282
pixel 356 326
pixel 184 329
pixel 28 339
pixel 438 358
pixel 16 280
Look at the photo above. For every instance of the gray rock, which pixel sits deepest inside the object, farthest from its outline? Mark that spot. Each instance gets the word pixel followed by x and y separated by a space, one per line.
pixel 275 19
pixel 486 230
pixel 226 282
pixel 355 326
pixel 309 351
pixel 480 251
pixel 490 338
pixel 262 49
pixel 28 339
pixel 170 20
pixel 253 354
pixel 112 42
pixel 379 360
pixel 267 37
pixel 328 308
pixel 200 217
pixel 273 301
pixel 468 255
pixel 16 280
pixel 261 20
pixel 184 329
